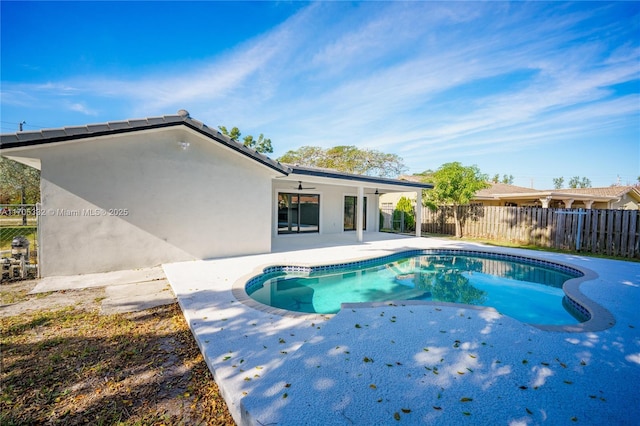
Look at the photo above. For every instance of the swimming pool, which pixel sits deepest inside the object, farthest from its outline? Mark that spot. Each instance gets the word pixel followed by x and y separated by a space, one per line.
pixel 528 290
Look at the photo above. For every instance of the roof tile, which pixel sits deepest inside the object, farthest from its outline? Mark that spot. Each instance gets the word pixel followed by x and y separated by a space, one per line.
pixel 94 128
pixel 138 122
pixel 75 130
pixel 118 125
pixel 10 138
pixel 29 136
pixel 155 120
pixel 54 133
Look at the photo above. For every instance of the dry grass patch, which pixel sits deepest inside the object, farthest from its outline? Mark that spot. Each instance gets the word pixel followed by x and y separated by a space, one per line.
pixel 73 366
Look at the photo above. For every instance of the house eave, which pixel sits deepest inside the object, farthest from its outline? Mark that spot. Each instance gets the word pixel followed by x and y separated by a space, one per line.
pixel 371 180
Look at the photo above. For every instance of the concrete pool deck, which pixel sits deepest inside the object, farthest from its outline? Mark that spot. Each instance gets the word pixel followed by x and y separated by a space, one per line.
pixel 411 363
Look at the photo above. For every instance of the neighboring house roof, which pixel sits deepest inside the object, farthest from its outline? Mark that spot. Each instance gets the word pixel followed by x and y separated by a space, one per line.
pixel 502 188
pixel 28 139
pixel 505 191
pixel 609 191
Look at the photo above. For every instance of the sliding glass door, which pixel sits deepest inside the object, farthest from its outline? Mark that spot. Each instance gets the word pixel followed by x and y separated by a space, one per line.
pixel 351 213
pixel 298 213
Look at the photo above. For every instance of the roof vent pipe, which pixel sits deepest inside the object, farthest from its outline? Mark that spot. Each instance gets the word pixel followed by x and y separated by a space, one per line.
pixel 184 113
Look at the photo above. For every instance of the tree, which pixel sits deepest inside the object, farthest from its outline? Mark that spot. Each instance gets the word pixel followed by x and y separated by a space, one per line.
pixel 347 159
pixel 506 179
pixel 577 182
pixel 558 182
pixel 455 184
pixel 18 184
pixel 405 212
pixel 261 144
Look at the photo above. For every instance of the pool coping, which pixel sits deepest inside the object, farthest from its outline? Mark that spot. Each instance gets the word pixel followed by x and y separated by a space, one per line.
pixel 600 318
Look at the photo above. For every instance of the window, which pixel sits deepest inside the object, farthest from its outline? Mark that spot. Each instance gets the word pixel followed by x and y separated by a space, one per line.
pixel 298 213
pixel 351 213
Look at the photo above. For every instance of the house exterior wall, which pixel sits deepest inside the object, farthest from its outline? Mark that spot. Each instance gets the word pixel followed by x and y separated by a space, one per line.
pixel 626 202
pixel 169 204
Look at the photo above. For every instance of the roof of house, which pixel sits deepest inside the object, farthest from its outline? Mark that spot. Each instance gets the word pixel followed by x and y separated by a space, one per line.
pixel 502 190
pixel 27 139
pixel 65 134
pixel 609 191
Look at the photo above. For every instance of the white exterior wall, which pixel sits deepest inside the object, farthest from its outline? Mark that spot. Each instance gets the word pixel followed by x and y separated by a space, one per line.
pixel 202 202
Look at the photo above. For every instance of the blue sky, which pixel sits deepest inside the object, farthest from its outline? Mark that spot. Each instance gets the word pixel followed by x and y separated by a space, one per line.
pixel 535 90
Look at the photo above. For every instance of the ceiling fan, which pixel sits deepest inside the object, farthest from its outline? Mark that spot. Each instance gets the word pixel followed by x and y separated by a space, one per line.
pixel 376 193
pixel 300 187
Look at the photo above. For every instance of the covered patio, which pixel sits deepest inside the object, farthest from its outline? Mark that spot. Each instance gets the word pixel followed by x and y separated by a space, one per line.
pixel 323 201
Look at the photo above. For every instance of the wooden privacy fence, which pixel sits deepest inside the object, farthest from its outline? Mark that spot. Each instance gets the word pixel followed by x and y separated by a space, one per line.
pixel 610 232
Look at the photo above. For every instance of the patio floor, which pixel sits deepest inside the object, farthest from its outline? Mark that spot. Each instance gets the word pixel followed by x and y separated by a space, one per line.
pixel 409 363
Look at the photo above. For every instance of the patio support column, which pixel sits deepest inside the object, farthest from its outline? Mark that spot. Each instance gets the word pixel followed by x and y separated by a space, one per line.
pixel 360 214
pixel 567 202
pixel 545 202
pixel 419 213
pixel 588 204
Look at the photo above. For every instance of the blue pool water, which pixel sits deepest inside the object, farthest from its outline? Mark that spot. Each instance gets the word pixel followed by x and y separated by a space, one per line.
pixel 531 293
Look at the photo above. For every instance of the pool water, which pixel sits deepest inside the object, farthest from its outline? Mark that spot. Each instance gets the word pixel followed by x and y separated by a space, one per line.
pixel 530 293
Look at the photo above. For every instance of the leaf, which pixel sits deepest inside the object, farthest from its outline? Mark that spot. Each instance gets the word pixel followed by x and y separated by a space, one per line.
pixel 466 413
pixel 465 399
pixel 367 359
pixel 226 358
pixel 288 385
pixel 405 410
pixel 569 382
pixel 472 356
pixel 524 387
pixel 285 395
pixel 396 416
pixel 358 326
pixel 437 408
pixel 524 361
pixel 460 373
pixel 529 411
pixel 425 349
pixel 372 386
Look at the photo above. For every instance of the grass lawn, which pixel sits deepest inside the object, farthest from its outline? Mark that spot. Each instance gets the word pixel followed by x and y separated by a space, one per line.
pixel 7 233
pixel 74 366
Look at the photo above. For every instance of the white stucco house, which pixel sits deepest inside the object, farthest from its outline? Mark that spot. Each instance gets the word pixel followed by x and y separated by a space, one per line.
pixel 139 193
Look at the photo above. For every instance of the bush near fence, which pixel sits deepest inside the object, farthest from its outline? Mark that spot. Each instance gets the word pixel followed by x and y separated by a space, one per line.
pixel 607 232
